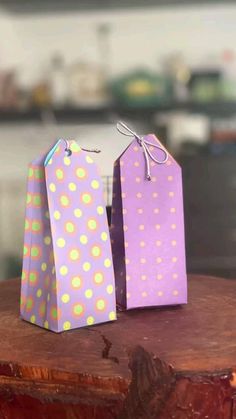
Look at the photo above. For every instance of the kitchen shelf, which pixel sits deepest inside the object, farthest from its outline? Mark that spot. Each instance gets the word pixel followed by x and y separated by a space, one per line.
pixel 112 112
pixel 48 6
pixel 63 115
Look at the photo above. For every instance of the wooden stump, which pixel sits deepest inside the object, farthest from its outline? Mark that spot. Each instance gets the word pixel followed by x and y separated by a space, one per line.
pixel 167 363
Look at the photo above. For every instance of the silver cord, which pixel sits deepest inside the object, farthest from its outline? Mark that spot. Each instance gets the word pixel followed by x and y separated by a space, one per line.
pixel 67 149
pixel 123 129
pixel 95 150
pixel 69 152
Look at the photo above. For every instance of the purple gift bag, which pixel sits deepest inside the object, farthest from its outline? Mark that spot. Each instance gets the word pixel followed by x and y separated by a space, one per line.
pixel 147 226
pixel 67 276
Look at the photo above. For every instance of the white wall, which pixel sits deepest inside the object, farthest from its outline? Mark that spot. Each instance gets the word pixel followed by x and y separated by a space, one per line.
pixel 141 37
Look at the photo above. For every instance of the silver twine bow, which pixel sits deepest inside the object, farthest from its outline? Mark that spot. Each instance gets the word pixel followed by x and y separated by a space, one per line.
pixel 144 144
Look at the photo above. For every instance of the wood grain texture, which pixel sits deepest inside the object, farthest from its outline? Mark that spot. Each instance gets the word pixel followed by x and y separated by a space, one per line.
pixel 173 362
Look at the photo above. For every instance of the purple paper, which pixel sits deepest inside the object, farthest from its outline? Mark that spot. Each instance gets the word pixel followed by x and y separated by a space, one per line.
pixel 67 277
pixel 147 230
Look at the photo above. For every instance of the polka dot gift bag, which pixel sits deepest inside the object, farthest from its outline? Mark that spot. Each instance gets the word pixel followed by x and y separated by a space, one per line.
pixel 67 277
pixel 147 226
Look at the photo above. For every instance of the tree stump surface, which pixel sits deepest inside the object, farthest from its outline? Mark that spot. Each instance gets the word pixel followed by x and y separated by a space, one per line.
pixel 170 363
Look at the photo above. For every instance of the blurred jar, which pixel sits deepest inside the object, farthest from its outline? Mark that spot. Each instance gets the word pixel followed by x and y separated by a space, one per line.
pixel 175 67
pixel 87 85
pixel 8 90
pixel 229 74
pixel 40 95
pixel 58 81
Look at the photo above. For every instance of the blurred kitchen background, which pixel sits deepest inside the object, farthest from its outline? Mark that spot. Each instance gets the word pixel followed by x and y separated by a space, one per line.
pixel 73 68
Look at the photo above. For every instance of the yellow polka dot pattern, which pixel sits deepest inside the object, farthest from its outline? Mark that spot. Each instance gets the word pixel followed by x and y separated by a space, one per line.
pixel 65 298
pixel 100 210
pixel 152 220
pixel 60 242
pixel 57 215
pixel 38 254
pixel 71 281
pixel 66 325
pixel 47 240
pixel 90 320
pixel 72 186
pixel 78 213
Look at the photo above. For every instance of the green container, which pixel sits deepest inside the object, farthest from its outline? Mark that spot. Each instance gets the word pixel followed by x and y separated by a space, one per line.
pixel 142 88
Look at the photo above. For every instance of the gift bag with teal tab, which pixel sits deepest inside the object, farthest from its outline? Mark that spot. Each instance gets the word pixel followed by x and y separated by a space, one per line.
pixel 67 276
